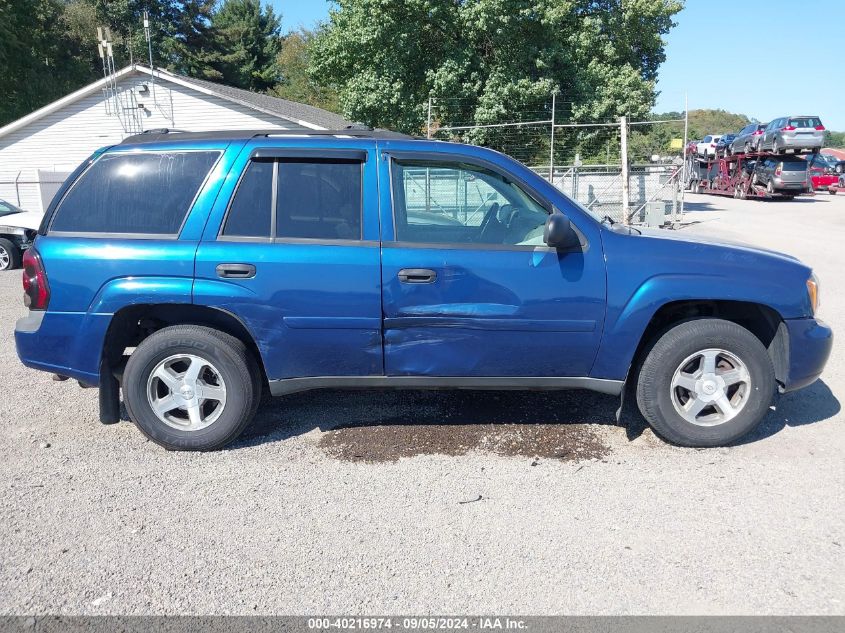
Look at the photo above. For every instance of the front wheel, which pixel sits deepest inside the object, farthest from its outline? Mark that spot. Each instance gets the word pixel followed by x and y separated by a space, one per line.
pixel 706 382
pixel 191 388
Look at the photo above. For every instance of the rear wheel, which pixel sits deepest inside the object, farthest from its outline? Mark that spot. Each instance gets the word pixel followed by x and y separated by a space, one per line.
pixel 191 388
pixel 10 255
pixel 705 383
pixel 770 187
pixel 775 148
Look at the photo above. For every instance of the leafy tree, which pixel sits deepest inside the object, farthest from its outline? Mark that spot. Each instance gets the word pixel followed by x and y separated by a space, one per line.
pixel 248 39
pixel 487 59
pixel 834 139
pixel 296 83
pixel 39 59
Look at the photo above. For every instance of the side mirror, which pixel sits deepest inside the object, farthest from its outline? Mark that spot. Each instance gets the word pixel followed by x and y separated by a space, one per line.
pixel 559 232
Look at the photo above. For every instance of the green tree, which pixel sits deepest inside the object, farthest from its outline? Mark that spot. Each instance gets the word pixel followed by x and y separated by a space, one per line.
pixel 296 83
pixel 489 60
pixel 40 60
pixel 248 40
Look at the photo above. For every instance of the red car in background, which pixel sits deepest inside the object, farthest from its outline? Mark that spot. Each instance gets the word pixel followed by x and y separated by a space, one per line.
pixel 823 171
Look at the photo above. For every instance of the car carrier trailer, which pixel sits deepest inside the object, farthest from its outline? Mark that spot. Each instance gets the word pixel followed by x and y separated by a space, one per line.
pixel 733 175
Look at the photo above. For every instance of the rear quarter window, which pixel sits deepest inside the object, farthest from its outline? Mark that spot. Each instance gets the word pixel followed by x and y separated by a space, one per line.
pixel 146 193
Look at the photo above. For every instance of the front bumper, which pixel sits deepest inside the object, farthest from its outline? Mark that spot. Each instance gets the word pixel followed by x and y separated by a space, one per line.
pixel 810 342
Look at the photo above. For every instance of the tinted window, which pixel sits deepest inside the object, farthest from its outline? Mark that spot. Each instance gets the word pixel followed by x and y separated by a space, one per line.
pixel 462 204
pixel 794 166
pixel 319 199
pixel 134 193
pixel 250 211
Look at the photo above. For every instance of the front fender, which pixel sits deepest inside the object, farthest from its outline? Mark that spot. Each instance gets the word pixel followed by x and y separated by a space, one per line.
pixel 628 318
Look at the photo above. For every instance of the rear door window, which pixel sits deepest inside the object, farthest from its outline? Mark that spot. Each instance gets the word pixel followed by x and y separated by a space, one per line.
pixel 147 193
pixel 319 199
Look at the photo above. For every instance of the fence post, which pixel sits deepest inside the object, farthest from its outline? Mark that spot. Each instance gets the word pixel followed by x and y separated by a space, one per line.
pixel 623 123
pixel 428 120
pixel 552 143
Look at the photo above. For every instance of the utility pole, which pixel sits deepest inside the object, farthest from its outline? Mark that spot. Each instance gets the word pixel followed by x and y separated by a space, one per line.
pixel 623 126
pixel 148 35
pixel 552 143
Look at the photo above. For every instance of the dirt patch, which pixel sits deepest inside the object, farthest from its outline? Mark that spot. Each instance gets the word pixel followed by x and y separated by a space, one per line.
pixel 388 443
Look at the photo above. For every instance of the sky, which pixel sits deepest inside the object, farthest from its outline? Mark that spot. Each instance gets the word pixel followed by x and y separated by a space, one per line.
pixel 761 58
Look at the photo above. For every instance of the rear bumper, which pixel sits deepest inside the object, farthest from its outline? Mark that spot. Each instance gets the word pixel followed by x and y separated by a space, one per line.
pixel 810 342
pixel 66 343
pixel 800 143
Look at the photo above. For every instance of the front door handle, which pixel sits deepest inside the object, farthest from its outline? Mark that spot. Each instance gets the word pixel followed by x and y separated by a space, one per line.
pixel 236 271
pixel 417 276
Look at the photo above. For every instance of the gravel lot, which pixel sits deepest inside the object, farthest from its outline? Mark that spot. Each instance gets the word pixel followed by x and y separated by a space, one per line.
pixel 417 502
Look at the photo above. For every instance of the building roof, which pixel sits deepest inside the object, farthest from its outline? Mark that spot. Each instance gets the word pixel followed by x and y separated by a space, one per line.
pixel 302 115
pixel 290 110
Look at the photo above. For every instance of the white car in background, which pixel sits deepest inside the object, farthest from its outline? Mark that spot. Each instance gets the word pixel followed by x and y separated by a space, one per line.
pixel 17 230
pixel 707 146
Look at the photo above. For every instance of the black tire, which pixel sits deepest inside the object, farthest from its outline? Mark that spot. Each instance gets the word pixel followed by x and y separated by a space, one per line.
pixel 831 191
pixel 668 351
pixel 229 356
pixel 10 255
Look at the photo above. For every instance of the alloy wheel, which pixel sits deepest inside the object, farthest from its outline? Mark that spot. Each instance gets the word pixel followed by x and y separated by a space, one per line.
pixel 186 392
pixel 710 387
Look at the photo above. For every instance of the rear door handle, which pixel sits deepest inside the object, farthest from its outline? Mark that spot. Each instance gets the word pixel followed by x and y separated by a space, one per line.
pixel 236 271
pixel 417 276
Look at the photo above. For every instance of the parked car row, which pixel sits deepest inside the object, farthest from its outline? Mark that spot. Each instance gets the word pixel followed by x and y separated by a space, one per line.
pixel 797 133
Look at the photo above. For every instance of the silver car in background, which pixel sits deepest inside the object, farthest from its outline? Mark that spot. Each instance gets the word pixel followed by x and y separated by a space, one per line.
pixel 799 133
pixel 748 139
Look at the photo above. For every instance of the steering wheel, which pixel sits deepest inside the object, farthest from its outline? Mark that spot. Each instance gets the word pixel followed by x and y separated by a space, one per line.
pixel 488 218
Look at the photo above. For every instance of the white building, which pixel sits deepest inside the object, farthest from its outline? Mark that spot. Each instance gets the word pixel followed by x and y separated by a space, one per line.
pixel 38 151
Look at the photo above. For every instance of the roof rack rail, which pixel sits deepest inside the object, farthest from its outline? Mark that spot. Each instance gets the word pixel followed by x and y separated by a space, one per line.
pixel 164 134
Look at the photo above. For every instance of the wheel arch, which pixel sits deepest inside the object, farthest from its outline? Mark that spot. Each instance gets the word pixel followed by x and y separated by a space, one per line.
pixel 132 324
pixel 763 321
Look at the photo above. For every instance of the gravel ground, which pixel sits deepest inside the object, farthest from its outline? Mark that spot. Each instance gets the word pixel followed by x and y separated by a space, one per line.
pixel 418 502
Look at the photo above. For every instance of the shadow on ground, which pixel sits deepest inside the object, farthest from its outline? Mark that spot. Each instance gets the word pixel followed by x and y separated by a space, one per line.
pixel 386 425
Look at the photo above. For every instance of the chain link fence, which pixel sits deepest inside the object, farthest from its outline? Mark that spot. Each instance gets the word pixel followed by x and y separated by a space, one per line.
pixel 627 170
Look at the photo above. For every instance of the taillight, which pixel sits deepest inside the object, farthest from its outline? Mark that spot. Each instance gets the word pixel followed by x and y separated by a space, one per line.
pixel 820 128
pixel 778 171
pixel 788 128
pixel 757 133
pixel 35 287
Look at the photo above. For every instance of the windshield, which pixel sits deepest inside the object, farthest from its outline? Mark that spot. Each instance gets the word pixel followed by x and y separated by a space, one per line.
pixel 7 208
pixel 823 160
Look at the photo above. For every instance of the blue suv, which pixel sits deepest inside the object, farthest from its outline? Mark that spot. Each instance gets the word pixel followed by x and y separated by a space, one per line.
pixel 194 271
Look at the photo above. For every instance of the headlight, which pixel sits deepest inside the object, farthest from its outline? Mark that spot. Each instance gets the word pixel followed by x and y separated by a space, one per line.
pixel 813 293
pixel 11 230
